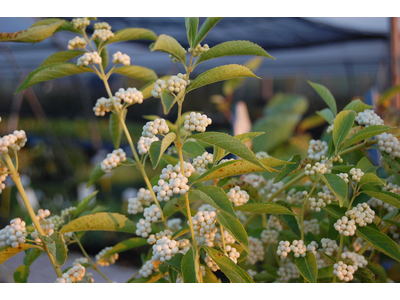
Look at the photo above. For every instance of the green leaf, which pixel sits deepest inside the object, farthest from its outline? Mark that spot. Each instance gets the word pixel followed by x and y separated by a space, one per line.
pixel 239 167
pixel 60 57
pixel 210 277
pixel 83 204
pixel 379 241
pixel 307 267
pixel 100 221
pixel 366 133
pixel 61 249
pixel 21 274
pixel 234 48
pixel 327 114
pixel 31 35
pixel 193 149
pixel 192 25
pixel 137 72
pixel 265 208
pixel 65 26
pixel 391 198
pixel 234 273
pixel 208 24
pixel 33 254
pixel 127 245
pixel 181 232
pixel 230 144
pixel 220 74
pixel 364 164
pixel 158 148
pixel 325 272
pixel 342 125
pixel 116 127
pixel 235 228
pixel 264 277
pixel 357 106
pixel 50 72
pixel 131 34
pixel 214 196
pixel 325 95
pixel 337 185
pixel 371 178
pixel 174 263
pixel 168 44
pixel 172 160
pixel 335 211
pixel 168 101
pixel 378 270
pixel 174 205
pixel 152 278
pixel 248 136
pixel 50 243
pixel 104 57
pixel 288 169
pixel 190 267
pixel 364 275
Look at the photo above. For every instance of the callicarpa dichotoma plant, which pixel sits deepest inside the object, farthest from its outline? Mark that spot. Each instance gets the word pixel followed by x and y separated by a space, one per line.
pixel 322 218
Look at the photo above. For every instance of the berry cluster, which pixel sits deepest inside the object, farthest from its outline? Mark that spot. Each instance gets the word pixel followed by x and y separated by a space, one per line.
pixel 174 85
pixel 152 214
pixel 362 214
pixel 174 224
pixel 158 126
pixel 174 59
pixel 147 269
pixel 102 25
pixel 329 129
pixel 102 34
pixel 3 177
pixel 15 140
pixel 311 226
pixel 77 42
pixel 296 197
pixel 143 197
pixel 129 96
pixel 196 121
pixel 269 236
pixel 46 224
pixel 145 143
pixel 322 167
pixel 211 263
pixel 359 261
pixel 356 174
pixel 237 196
pixel 232 253
pixel 90 57
pixel 298 248
pixel 105 105
pixel 229 239
pixel 256 250
pixel 199 50
pixel 14 234
pixel 329 246
pixel 312 247
pixel 119 58
pixel 80 23
pixel 345 227
pixel 389 144
pixel 104 260
pixel 177 183
pixel 256 181
pixel 159 86
pixel 201 162
pixel 343 271
pixel 317 150
pixel 368 117
pixel 344 176
pixel 153 238
pixel 204 227
pixel 74 274
pixel 288 271
pixel 251 273
pixel 164 249
pixel 113 160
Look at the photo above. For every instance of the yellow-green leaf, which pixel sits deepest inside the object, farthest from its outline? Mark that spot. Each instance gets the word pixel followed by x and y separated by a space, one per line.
pixel 307 267
pixel 130 34
pixel 325 95
pixel 190 267
pixel 61 56
pixel 7 252
pixel 192 25
pixel 208 24
pixel 50 72
pixel 116 127
pixel 357 106
pixel 264 208
pixel 21 274
pixel 327 114
pixel 158 148
pixel 126 245
pixel 220 74
pixel 60 248
pixel 137 72
pixel 31 35
pixel 100 221
pixel 366 133
pixel 168 44
pixel 84 203
pixel 341 127
pixel 235 228
pixel 234 48
pixel 337 185
pixel 214 196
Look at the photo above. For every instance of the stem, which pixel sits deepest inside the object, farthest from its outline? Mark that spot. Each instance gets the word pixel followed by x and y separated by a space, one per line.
pixel 133 276
pixel 288 184
pixel 223 238
pixel 17 180
pixel 357 147
pixel 139 164
pixel 94 267
pixel 249 220
pixel 303 209
pixel 339 254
